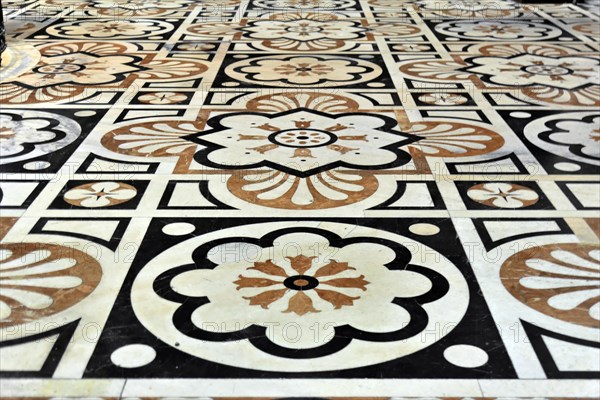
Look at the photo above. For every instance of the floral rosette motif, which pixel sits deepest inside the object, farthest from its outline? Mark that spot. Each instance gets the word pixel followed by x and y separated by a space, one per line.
pixel 100 194
pixel 305 32
pixel 503 195
pixel 302 142
pixel 272 276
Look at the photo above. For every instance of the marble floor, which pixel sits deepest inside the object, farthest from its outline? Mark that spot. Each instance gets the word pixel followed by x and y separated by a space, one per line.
pixel 300 198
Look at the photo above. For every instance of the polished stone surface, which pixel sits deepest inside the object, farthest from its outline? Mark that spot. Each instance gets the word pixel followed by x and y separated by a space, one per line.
pixel 300 198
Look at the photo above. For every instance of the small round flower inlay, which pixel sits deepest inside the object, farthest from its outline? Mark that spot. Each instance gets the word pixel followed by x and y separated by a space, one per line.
pixel 327 288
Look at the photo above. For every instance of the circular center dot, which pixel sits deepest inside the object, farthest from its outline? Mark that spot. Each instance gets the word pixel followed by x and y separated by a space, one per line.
pixel 548 70
pixel 301 282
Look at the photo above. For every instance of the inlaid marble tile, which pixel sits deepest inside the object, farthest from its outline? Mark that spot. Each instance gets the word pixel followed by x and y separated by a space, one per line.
pixel 310 199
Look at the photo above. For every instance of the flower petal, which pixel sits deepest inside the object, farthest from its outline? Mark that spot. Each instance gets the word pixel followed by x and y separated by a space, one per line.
pixel 265 298
pixel 301 304
pixel 336 298
pixel 5 310
pixel 571 300
pixel 547 282
pixel 269 268
pixel 498 187
pixel 357 282
pixel 55 282
pixel 480 194
pixel 78 194
pixel 301 263
pixel 524 194
pixel 42 268
pixel 333 268
pixel 96 201
pixel 105 187
pixel 245 282
pixel 29 298
pixel 507 202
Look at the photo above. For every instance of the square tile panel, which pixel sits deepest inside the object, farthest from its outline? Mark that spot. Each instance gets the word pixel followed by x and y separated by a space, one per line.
pixel 267 298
